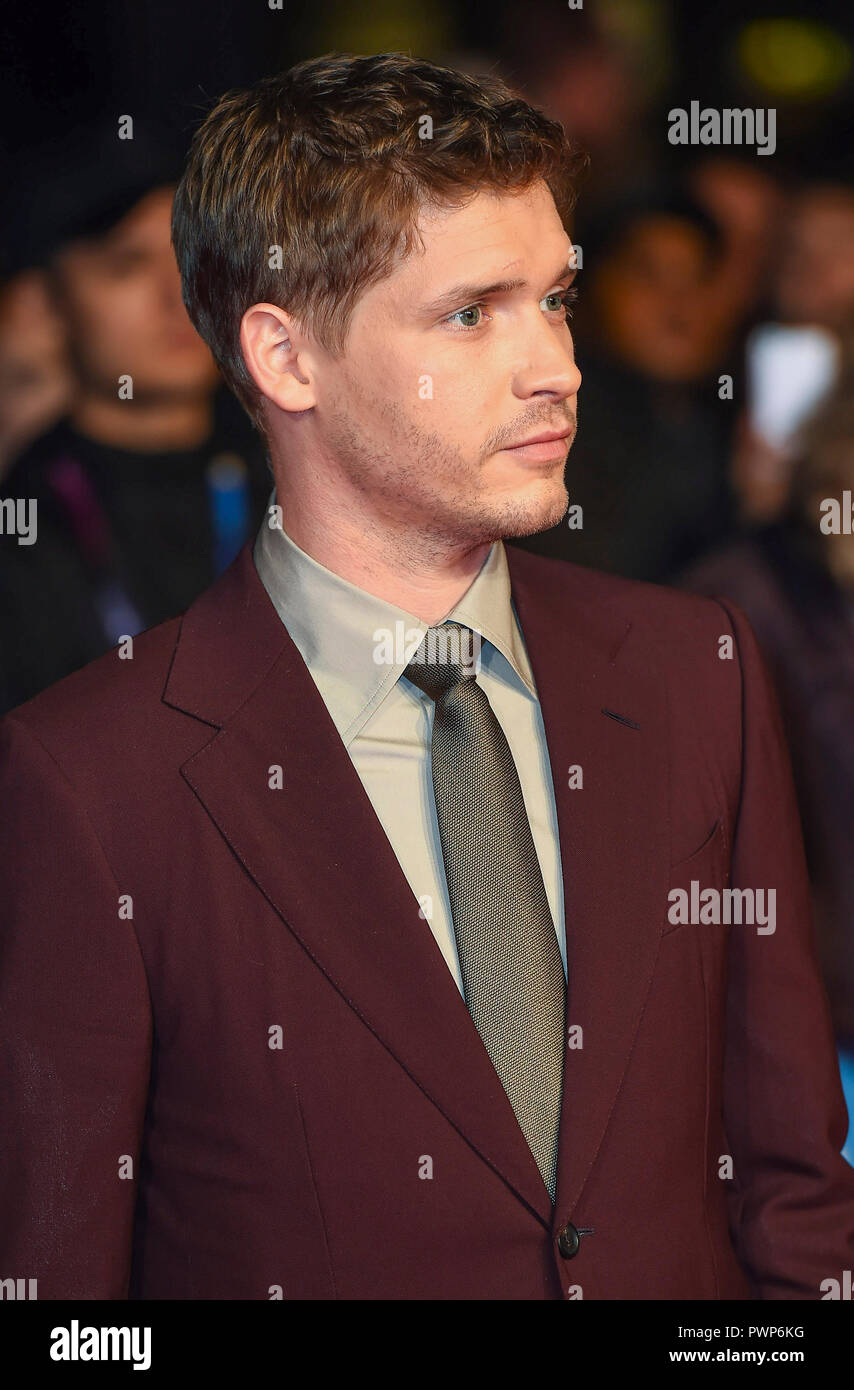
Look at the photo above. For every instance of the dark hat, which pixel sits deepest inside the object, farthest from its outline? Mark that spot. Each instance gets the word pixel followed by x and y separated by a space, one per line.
pixel 81 184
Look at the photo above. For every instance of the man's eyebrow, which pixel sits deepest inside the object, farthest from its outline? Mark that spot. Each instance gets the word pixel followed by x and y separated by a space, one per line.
pixel 467 292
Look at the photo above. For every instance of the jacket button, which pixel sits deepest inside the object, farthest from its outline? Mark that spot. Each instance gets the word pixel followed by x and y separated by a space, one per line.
pixel 568 1241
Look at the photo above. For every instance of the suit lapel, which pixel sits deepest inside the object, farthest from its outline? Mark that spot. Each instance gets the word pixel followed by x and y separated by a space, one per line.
pixel 318 853
pixel 614 835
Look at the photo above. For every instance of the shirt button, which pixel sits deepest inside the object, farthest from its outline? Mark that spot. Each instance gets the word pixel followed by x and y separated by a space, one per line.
pixel 568 1241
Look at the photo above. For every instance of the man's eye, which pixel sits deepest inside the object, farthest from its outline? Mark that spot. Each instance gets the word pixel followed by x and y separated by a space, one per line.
pixel 565 298
pixel 470 309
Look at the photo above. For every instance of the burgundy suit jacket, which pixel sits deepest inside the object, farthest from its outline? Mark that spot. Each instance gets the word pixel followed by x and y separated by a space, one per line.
pixel 235 1064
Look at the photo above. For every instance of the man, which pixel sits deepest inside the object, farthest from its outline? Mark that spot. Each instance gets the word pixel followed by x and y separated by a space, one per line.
pixel 292 896
pixel 147 446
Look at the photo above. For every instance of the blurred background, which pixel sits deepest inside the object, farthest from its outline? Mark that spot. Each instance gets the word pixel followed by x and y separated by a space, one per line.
pixel 714 331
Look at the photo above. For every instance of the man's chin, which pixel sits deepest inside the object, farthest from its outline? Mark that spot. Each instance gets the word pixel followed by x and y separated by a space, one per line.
pixel 507 515
pixel 537 509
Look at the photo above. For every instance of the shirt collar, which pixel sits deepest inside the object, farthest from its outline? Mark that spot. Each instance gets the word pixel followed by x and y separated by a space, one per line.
pixel 337 626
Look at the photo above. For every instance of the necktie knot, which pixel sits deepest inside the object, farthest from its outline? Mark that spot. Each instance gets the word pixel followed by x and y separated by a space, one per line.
pixel 447 657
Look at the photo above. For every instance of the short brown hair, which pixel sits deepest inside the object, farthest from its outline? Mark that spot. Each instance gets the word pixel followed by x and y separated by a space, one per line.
pixel 332 161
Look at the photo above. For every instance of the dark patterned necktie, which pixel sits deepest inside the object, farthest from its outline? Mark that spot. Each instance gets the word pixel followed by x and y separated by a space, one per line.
pixel 510 961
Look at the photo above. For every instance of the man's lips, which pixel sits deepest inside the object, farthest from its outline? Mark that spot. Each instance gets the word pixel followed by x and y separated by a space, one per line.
pixel 546 437
pixel 543 448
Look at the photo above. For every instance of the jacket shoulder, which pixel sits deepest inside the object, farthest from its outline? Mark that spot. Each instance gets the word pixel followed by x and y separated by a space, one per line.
pixel 113 691
pixel 659 610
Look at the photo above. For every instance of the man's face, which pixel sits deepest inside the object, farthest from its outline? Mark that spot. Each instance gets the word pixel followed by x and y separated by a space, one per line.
pixel 652 300
pixel 120 298
pixel 437 384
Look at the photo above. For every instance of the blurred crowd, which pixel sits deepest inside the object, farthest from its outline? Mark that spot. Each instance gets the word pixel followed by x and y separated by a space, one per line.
pixel 715 335
pixel 118 441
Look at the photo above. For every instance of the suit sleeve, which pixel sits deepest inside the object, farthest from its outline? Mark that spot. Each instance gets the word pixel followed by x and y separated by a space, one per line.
pixel 75 1039
pixel 784 1110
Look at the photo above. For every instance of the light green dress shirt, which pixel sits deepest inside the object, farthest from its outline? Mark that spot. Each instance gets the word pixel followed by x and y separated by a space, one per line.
pixel 385 722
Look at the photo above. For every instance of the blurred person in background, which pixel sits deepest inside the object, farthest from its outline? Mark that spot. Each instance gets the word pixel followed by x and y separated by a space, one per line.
pixel 794 578
pixel 746 202
pixel 151 482
pixel 812 290
pixel 815 279
pixel 598 84
pixel 649 464
pixel 35 383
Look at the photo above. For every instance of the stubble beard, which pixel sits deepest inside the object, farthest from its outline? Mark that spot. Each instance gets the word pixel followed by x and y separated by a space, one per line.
pixel 409 488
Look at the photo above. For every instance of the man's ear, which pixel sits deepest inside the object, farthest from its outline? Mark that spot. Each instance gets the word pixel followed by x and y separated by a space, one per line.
pixel 275 357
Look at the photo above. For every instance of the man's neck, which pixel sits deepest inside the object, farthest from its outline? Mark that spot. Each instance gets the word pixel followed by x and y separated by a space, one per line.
pixel 156 428
pixel 399 567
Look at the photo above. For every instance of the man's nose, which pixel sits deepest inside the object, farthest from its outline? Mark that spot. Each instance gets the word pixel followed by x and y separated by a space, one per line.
pixel 550 369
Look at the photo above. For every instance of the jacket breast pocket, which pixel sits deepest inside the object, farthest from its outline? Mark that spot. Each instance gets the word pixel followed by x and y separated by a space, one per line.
pixel 692 878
